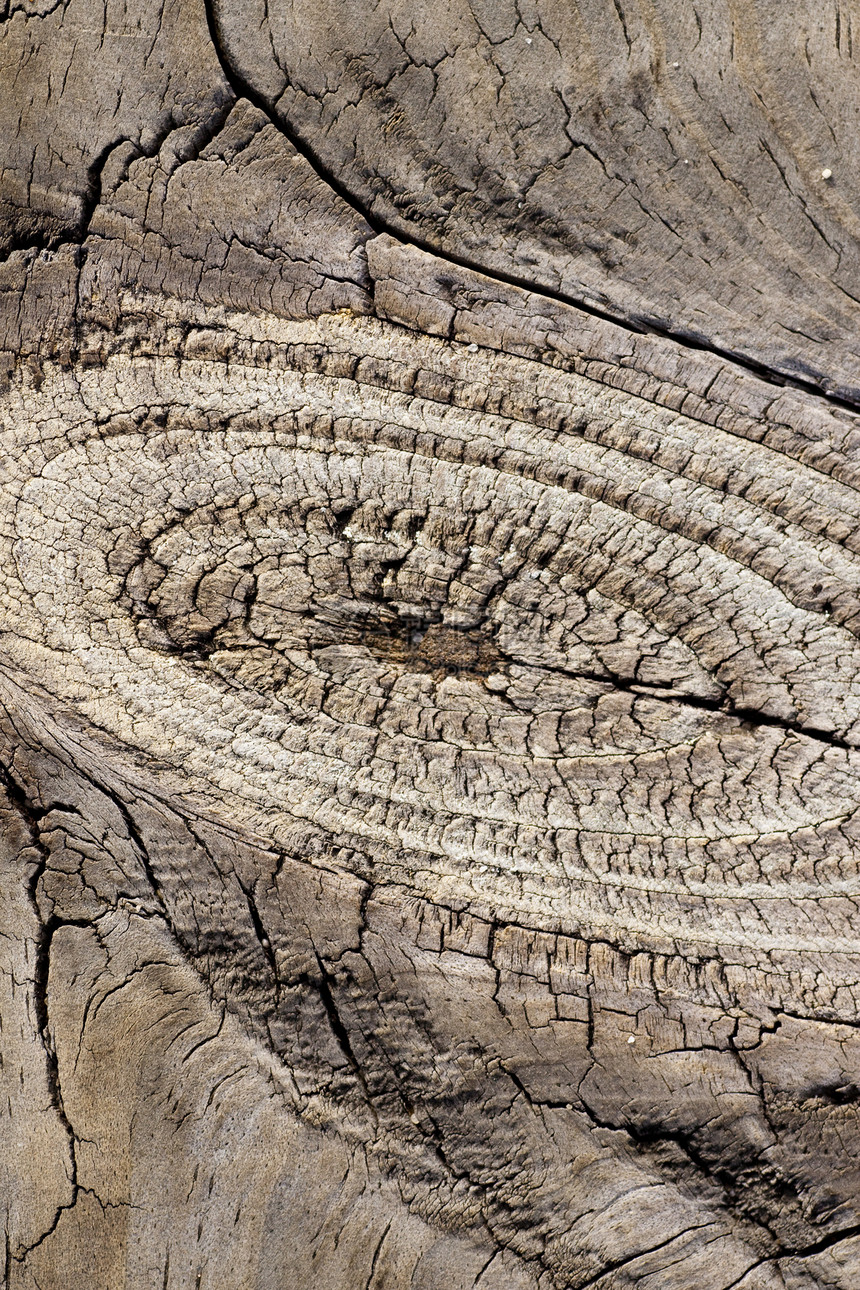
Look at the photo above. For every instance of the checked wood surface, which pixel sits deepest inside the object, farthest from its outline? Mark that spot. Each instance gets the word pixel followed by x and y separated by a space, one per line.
pixel 429 660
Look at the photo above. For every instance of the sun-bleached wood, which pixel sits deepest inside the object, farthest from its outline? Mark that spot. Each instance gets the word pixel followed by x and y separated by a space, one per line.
pixel 429 673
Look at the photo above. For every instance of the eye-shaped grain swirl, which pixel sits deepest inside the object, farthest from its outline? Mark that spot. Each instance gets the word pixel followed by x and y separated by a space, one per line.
pixel 532 666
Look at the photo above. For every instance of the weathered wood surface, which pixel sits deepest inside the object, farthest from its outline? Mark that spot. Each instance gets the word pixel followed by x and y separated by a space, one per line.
pixel 430 674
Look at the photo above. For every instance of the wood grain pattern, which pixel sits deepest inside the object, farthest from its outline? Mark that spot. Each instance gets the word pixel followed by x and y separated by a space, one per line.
pixel 429 678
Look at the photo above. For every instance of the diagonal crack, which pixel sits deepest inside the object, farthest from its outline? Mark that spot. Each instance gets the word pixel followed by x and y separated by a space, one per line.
pixel 640 325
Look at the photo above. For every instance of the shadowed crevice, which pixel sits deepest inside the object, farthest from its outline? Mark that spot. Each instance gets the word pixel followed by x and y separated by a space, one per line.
pixel 640 325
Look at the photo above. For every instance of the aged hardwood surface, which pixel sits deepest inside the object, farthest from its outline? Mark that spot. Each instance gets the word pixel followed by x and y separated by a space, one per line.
pixel 429 671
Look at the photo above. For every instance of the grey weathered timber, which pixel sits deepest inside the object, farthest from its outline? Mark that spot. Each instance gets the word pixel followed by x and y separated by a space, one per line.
pixel 429 660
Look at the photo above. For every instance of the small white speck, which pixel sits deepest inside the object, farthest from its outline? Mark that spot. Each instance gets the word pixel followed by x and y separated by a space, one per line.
pixel 826 173
pixel 528 40
pixel 519 206
pixel 265 943
pixel 631 1039
pixel 473 348
pixel 676 64
pixel 686 162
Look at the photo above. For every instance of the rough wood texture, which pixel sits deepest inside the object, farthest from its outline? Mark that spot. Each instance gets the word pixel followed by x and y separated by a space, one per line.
pixel 429 673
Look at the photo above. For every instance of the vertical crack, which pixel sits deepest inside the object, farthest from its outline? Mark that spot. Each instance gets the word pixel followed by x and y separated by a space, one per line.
pixel 40 976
